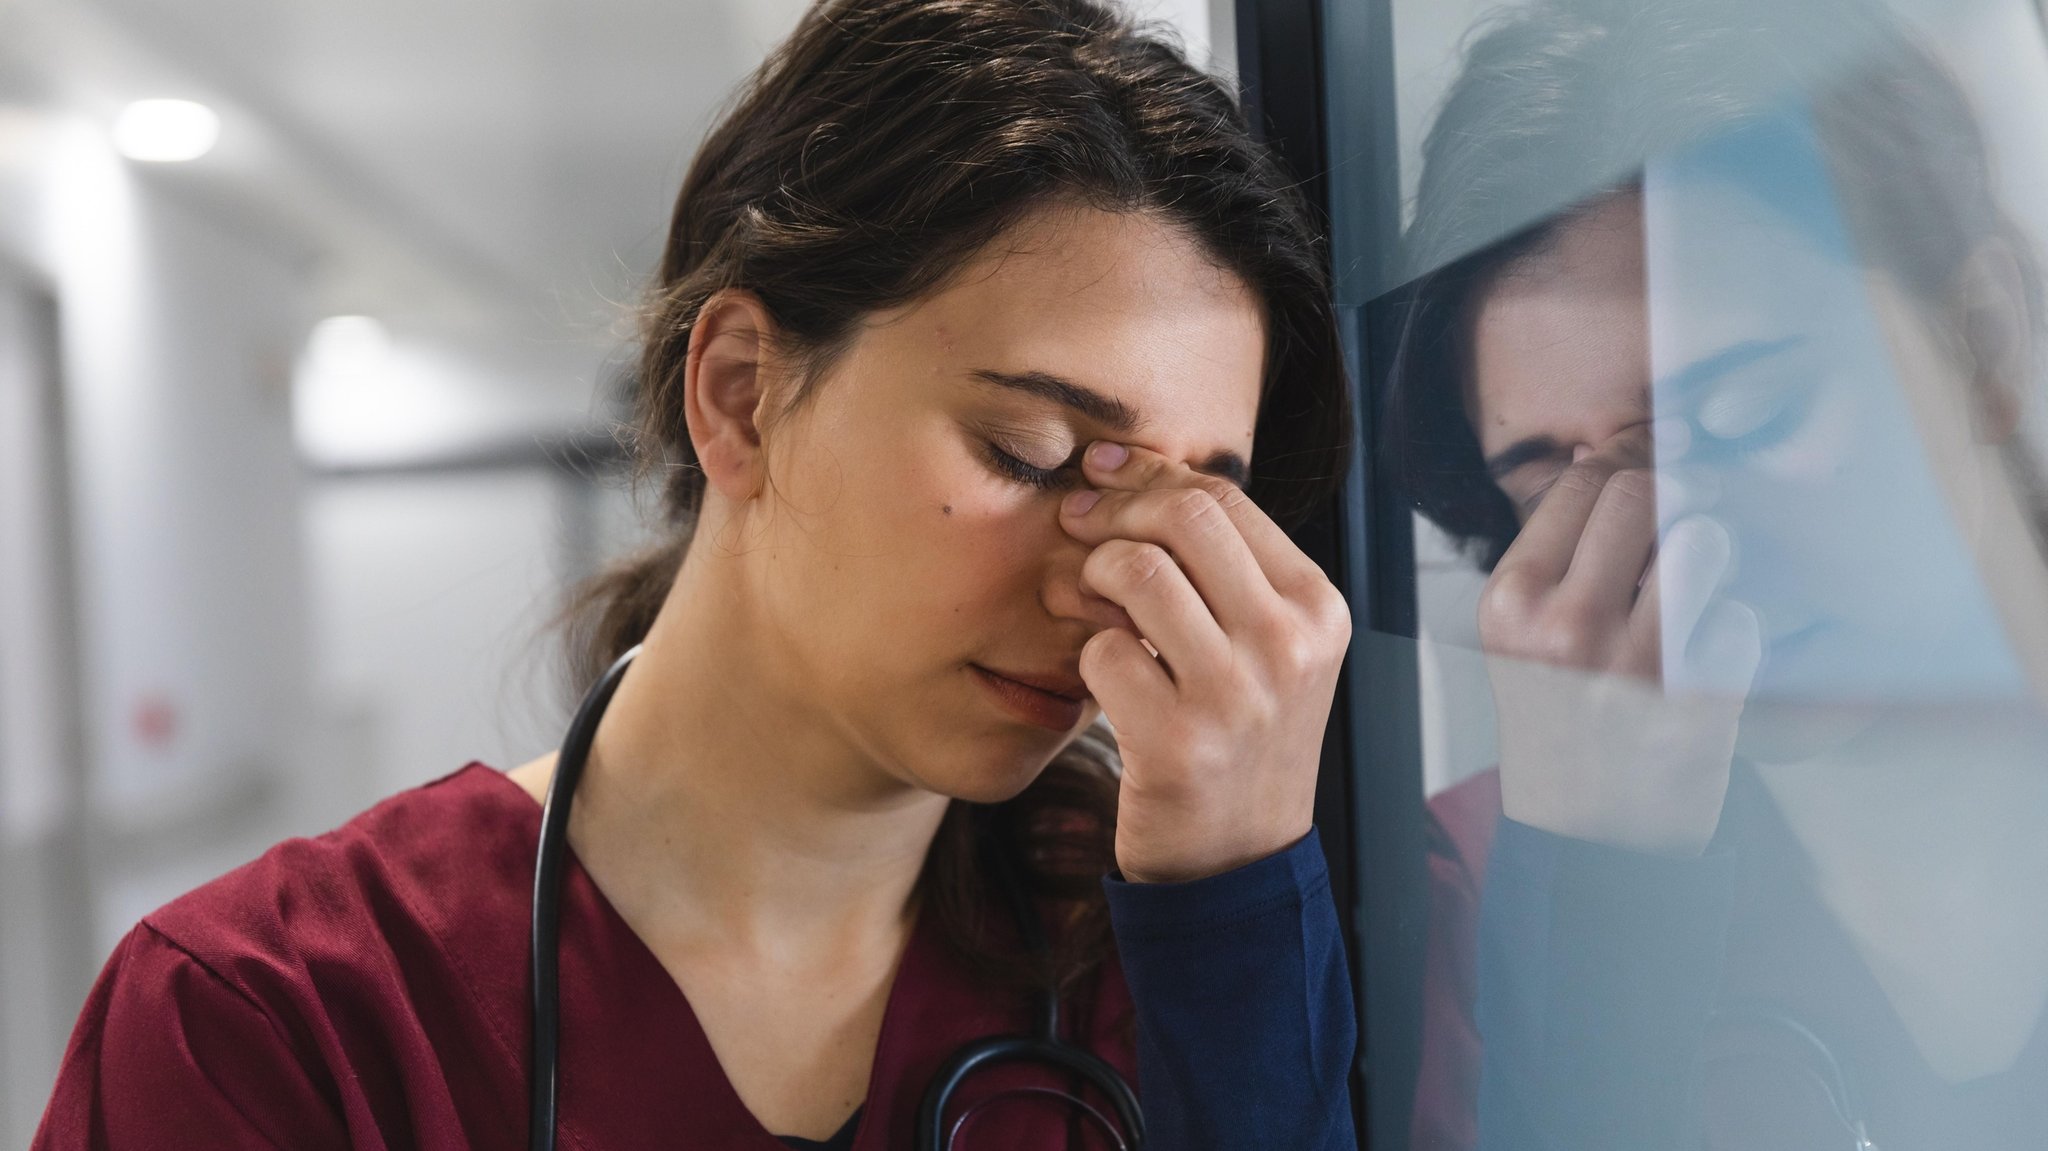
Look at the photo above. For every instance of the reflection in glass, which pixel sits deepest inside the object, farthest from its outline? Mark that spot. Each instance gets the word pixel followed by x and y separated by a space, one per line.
pixel 1718 359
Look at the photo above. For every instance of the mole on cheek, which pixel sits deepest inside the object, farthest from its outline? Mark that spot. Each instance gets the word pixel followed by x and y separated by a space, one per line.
pixel 948 509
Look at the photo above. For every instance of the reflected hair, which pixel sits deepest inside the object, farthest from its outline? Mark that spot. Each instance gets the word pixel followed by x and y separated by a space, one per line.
pixel 873 155
pixel 1556 107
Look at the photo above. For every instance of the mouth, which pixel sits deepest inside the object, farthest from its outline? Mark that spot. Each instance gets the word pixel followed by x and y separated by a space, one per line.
pixel 1056 702
pixel 1065 685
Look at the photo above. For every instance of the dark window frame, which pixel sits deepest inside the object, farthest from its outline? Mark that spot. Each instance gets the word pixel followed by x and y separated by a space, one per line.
pixel 1317 78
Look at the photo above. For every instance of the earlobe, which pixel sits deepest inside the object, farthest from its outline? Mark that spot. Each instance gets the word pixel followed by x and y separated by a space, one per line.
pixel 728 371
pixel 1995 326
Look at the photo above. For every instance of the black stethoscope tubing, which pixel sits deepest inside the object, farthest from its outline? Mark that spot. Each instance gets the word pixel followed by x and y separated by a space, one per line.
pixel 1042 1046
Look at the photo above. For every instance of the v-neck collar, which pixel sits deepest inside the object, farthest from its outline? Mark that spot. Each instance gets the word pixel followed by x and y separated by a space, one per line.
pixel 636 1067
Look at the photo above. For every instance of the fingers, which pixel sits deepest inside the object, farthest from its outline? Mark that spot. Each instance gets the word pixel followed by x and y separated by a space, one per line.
pixel 1710 644
pixel 1690 567
pixel 1620 536
pixel 1577 587
pixel 1133 689
pixel 1193 561
pixel 1284 566
pixel 1156 592
pixel 1196 532
pixel 1544 549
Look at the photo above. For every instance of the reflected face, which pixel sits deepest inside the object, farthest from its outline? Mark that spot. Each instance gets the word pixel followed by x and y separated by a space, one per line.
pixel 1756 358
pixel 1560 351
pixel 912 537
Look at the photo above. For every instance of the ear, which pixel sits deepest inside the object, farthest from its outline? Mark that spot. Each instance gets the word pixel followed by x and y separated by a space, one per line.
pixel 1988 308
pixel 729 376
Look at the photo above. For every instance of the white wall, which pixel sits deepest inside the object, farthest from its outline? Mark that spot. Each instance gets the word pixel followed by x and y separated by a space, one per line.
pixel 430 597
pixel 175 334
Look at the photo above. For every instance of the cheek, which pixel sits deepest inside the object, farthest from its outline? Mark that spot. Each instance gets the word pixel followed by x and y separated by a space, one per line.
pixel 987 545
pixel 938 552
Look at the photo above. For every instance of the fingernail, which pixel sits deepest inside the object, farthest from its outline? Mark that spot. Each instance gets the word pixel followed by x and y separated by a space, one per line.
pixel 1078 503
pixel 1107 454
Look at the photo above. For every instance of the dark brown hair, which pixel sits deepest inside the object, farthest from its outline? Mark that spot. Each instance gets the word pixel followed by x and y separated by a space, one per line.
pixel 874 153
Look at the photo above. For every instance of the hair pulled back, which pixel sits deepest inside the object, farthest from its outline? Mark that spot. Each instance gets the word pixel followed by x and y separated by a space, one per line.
pixel 880 148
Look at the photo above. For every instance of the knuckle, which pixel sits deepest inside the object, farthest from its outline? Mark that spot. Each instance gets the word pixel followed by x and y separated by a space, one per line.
pixel 1585 478
pixel 1227 495
pixel 1192 508
pixel 1330 614
pixel 1509 597
pixel 1299 653
pixel 1633 487
pixel 1566 638
pixel 1131 563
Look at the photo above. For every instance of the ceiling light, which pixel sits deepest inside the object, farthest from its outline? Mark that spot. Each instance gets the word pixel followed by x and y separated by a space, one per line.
pixel 350 345
pixel 166 131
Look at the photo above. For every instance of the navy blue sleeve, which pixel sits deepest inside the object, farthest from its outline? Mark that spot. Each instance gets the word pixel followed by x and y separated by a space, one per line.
pixel 1246 1031
pixel 1598 969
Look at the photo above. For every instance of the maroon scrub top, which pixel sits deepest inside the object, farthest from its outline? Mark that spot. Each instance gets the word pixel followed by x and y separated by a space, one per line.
pixel 368 988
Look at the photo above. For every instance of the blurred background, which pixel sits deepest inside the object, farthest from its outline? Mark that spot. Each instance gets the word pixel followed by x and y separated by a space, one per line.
pixel 312 321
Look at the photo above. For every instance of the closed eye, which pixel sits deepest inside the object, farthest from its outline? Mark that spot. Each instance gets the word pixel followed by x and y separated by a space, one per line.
pixel 1028 474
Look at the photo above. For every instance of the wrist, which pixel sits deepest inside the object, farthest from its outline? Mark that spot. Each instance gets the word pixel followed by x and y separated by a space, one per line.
pixel 1143 867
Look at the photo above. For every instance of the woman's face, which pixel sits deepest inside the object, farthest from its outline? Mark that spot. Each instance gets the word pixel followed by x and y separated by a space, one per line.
pixel 911 536
pixel 1764 370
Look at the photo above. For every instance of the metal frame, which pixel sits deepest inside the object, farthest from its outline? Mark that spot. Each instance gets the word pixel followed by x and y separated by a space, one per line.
pixel 1318 80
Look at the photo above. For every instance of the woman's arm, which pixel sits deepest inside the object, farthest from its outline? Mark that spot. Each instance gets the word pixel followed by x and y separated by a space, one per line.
pixel 1246 1030
pixel 1602 921
pixel 1598 969
pixel 167 1054
pixel 1220 692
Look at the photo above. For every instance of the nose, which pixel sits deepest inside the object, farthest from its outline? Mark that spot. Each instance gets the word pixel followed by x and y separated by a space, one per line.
pixel 1066 598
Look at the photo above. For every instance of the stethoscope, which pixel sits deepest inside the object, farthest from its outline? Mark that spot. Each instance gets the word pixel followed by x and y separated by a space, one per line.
pixel 1833 1078
pixel 1042 1046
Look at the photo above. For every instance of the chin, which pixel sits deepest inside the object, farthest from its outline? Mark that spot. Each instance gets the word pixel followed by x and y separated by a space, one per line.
pixel 987 779
pixel 994 786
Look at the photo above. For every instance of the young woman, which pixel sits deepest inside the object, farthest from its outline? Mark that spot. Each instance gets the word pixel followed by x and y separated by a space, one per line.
pixel 1740 438
pixel 986 358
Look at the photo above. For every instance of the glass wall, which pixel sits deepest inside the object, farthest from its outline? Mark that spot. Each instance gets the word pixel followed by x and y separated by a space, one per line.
pixel 1703 662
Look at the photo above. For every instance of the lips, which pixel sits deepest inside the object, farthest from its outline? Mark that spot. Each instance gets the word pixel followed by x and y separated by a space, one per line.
pixel 1066 685
pixel 1034 703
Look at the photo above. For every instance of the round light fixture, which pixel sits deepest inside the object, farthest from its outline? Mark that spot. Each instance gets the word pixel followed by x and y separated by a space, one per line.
pixel 166 131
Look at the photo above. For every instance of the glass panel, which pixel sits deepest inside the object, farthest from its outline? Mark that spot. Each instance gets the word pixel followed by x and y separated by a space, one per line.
pixel 1709 447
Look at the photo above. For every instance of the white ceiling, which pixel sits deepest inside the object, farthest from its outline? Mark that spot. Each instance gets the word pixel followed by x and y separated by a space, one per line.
pixel 497 173
pixel 515 156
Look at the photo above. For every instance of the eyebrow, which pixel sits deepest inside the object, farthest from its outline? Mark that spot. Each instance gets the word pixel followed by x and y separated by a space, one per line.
pixel 1705 371
pixel 1108 411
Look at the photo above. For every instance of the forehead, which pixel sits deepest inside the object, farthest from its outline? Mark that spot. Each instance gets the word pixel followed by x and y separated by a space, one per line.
pixel 1118 302
pixel 1561 337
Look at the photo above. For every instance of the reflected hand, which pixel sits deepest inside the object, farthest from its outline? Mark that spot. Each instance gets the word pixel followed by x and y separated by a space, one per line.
pixel 1222 734
pixel 1574 620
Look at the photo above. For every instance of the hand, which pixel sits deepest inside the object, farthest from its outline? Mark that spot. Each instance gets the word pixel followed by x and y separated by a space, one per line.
pixel 1575 622
pixel 1222 733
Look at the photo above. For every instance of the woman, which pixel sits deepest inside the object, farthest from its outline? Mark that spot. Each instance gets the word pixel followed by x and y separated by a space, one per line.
pixel 1739 437
pixel 935 251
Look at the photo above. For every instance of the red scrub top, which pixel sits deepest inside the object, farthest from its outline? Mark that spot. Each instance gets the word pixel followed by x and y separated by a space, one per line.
pixel 368 989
